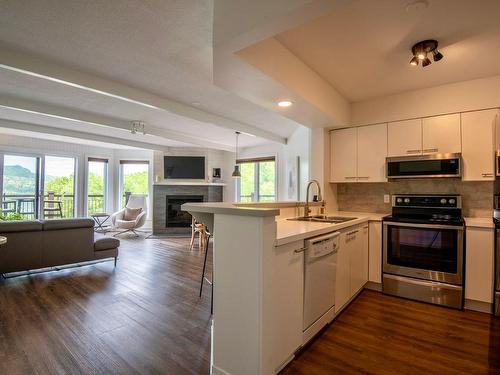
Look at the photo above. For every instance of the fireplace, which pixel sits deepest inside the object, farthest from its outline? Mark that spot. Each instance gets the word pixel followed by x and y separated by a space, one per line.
pixel 176 218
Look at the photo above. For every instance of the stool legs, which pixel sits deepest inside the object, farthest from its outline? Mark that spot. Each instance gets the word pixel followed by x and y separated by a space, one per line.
pixel 203 278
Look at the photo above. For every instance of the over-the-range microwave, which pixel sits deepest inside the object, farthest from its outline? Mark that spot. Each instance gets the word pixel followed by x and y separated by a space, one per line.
pixel 424 166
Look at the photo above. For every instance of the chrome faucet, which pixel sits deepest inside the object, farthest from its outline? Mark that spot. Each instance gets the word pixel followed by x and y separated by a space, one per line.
pixel 307 210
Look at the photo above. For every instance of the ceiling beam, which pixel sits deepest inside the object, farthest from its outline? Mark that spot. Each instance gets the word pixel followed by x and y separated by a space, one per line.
pixel 44 69
pixel 79 134
pixel 101 120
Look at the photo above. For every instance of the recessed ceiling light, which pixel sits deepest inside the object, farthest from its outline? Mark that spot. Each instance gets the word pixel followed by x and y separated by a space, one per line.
pixel 284 103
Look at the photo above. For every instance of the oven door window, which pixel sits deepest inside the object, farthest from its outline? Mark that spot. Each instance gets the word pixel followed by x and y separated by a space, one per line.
pixel 423 248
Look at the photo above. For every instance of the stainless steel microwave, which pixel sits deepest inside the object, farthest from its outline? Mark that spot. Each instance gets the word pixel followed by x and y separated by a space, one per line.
pixel 424 166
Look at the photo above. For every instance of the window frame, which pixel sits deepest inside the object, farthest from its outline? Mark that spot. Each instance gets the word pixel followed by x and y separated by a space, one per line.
pixel 106 201
pixel 256 161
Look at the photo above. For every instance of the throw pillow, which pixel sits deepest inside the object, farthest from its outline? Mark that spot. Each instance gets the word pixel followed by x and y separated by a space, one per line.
pixel 131 214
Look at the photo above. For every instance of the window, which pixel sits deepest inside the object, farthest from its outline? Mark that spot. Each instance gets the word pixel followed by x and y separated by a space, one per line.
pixel 97 185
pixel 258 180
pixel 134 175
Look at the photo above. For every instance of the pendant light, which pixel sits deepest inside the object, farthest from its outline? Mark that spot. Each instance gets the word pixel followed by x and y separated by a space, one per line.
pixel 236 172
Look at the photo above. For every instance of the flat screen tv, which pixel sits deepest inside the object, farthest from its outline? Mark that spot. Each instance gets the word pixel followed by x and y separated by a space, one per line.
pixel 189 167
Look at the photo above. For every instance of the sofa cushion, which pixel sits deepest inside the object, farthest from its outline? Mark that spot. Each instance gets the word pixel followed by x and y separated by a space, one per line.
pixel 20 226
pixel 131 214
pixel 106 243
pixel 58 224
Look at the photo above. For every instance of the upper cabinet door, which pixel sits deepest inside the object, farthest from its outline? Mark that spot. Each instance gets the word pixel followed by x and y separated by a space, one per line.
pixel 441 134
pixel 343 151
pixel 478 129
pixel 372 151
pixel 404 138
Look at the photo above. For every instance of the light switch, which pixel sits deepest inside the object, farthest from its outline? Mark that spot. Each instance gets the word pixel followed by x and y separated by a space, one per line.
pixel 387 198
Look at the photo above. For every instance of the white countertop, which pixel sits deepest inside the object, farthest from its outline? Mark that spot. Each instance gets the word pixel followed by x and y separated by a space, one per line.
pixel 228 208
pixel 289 230
pixel 479 222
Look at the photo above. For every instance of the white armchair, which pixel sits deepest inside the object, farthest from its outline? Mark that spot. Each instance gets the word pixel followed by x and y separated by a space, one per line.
pixel 117 219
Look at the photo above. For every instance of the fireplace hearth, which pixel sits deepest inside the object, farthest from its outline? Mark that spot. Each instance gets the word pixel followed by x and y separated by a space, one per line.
pixel 176 218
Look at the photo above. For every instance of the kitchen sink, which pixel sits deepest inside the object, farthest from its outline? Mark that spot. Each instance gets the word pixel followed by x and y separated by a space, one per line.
pixel 324 219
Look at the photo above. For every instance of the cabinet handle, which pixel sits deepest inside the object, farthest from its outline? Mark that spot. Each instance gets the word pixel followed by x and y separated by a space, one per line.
pixel 301 250
pixel 487 174
pixel 412 151
pixel 364 178
pixel 350 178
pixel 431 150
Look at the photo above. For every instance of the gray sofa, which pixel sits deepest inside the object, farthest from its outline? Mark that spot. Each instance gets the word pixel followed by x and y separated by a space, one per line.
pixel 35 244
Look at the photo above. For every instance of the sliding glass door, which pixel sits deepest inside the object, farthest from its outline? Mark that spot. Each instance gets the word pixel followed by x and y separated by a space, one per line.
pixel 97 185
pixel 21 187
pixel 58 187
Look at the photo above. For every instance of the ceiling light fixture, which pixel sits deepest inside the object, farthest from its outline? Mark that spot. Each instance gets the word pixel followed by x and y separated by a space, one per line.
pixel 236 172
pixel 420 51
pixel 284 103
pixel 138 126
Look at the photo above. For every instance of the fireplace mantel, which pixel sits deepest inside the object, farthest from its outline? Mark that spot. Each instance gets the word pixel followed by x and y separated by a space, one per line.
pixel 189 183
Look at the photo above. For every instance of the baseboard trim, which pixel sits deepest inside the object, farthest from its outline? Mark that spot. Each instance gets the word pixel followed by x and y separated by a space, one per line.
pixel 373 286
pixel 478 306
pixel 217 371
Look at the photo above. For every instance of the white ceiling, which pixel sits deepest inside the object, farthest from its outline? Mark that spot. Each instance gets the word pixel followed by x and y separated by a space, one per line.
pixel 363 49
pixel 161 47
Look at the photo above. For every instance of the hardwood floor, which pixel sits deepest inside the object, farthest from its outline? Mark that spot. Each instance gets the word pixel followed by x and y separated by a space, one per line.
pixel 145 317
pixel 379 334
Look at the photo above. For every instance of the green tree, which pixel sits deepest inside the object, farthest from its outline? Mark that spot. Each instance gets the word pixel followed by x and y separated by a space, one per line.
pixel 136 183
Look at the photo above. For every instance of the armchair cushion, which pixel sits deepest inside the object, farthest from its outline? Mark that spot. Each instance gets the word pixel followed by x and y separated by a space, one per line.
pixel 131 214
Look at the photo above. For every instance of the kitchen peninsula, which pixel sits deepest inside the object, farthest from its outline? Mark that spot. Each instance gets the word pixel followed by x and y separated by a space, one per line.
pixel 259 280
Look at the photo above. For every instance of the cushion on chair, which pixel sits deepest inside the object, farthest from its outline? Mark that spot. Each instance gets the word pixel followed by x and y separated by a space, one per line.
pixel 106 243
pixel 131 214
pixel 125 224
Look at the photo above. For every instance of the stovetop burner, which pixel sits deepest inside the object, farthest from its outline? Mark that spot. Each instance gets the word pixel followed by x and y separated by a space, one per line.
pixel 427 209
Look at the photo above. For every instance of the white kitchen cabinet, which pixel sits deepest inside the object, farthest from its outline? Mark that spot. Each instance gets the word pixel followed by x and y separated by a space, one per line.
pixel 343 145
pixel 404 138
pixel 375 252
pixel 479 264
pixel 372 151
pixel 359 259
pixel 288 300
pixel 343 274
pixel 352 264
pixel 441 134
pixel 478 134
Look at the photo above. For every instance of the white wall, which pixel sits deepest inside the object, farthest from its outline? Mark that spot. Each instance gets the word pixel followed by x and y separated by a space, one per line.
pixel 213 159
pixel 298 145
pixel 456 97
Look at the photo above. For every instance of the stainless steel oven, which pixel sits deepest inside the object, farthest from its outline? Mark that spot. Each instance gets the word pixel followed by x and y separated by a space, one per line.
pixel 423 249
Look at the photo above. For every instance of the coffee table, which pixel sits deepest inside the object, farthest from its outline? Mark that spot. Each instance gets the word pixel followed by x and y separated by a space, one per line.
pixel 100 218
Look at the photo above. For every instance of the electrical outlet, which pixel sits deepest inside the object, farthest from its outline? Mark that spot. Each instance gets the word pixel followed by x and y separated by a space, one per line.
pixel 387 198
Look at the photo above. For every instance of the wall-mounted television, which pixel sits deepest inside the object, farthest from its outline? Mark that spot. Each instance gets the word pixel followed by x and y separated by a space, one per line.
pixel 188 167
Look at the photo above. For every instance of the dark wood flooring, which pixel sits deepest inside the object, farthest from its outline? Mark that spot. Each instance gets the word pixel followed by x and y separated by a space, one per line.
pixel 379 334
pixel 145 317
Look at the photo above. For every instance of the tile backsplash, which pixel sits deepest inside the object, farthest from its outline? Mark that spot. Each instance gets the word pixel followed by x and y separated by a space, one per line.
pixel 477 197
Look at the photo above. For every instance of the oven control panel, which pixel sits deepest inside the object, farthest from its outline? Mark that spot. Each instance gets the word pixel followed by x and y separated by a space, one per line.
pixel 437 201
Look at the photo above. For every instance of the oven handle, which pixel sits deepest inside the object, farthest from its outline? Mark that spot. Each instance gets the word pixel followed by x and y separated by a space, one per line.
pixel 430 226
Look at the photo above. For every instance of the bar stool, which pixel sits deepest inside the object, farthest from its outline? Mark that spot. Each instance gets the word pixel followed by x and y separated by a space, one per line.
pixel 204 278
